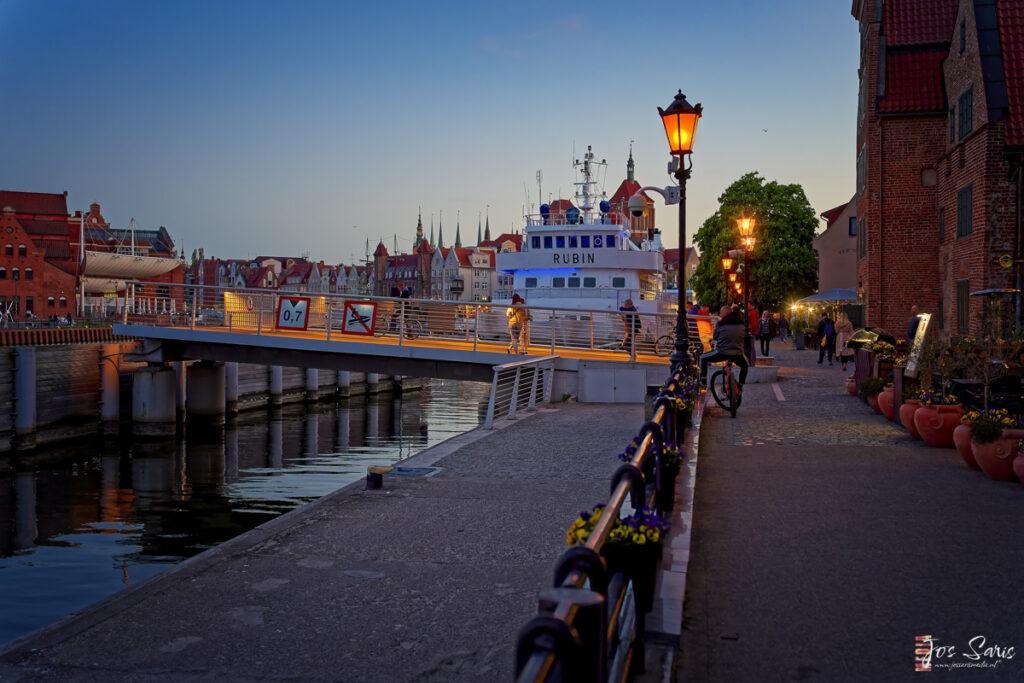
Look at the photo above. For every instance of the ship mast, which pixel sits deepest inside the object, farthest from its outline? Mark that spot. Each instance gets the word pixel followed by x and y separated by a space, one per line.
pixel 585 193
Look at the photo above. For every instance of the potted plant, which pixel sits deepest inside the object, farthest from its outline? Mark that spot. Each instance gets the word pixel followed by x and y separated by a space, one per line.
pixel 885 356
pixel 851 385
pixel 887 401
pixel 962 438
pixel 633 548
pixel 1018 462
pixel 870 389
pixel 937 418
pixel 994 445
pixel 798 328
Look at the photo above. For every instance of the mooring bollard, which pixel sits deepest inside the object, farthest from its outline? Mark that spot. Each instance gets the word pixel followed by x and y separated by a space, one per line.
pixel 375 476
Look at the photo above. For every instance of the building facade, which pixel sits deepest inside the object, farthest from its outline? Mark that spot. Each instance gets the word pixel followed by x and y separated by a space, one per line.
pixel 837 248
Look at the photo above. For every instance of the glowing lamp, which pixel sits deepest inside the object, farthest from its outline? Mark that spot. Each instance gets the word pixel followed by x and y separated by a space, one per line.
pixel 680 121
pixel 726 263
pixel 746 226
pixel 732 277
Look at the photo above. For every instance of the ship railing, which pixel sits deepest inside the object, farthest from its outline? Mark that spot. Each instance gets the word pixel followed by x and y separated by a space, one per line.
pixel 590 624
pixel 557 219
pixel 519 386
pixel 346 317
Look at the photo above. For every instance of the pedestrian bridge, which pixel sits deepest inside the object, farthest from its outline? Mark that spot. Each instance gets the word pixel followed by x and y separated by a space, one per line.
pixel 425 338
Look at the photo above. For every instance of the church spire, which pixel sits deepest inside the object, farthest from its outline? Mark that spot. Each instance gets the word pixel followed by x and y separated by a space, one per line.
pixel 458 233
pixel 419 231
pixel 431 231
pixel 478 230
pixel 629 164
pixel 487 230
pixel 440 230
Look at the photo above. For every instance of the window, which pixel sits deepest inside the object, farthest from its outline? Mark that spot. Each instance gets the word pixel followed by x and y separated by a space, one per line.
pixel 29 305
pixel 585 241
pixel 853 225
pixel 963 302
pixel 63 302
pixel 547 241
pixel 9 250
pixel 28 273
pixel 15 274
pixel 618 282
pixel 560 242
pixel 942 225
pixel 862 240
pixel 963 35
pixel 573 242
pixel 966 105
pixel 558 282
pixel 609 240
pixel 952 124
pixel 862 170
pixel 574 282
pixel 590 282
pixel 50 301
pixel 964 211
pixel 531 282
pixel 22 250
pixel 3 273
pixel 535 242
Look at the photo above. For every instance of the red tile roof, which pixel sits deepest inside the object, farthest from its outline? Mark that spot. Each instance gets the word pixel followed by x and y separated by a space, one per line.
pixel 918 22
pixel 44 227
pixel 833 214
pixel 56 249
pixel 504 237
pixel 626 190
pixel 913 82
pixel 671 256
pixel 40 203
pixel 1010 15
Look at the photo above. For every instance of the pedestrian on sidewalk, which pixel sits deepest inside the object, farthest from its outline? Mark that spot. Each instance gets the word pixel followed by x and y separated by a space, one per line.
pixel 912 324
pixel 518 318
pixel 844 330
pixel 630 322
pixel 783 327
pixel 826 330
pixel 765 332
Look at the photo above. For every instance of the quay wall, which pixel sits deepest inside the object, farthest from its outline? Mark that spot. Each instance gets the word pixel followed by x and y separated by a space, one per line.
pixel 68 388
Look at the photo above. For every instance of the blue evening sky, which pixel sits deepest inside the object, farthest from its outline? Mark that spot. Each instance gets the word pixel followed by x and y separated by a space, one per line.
pixel 309 127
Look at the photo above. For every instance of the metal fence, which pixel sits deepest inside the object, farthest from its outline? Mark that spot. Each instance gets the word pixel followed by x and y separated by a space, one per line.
pixel 519 386
pixel 589 626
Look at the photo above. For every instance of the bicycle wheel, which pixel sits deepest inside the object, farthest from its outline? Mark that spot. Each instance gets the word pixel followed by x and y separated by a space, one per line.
pixel 734 394
pixel 719 389
pixel 665 345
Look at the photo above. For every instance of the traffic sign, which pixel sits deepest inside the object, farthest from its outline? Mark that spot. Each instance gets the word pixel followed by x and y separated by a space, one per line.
pixel 360 317
pixel 293 313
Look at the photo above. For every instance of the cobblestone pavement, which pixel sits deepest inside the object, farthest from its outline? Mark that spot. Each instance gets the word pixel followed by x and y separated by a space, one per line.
pixel 825 540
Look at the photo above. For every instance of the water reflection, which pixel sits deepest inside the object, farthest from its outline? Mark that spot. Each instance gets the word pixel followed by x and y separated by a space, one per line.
pixel 81 522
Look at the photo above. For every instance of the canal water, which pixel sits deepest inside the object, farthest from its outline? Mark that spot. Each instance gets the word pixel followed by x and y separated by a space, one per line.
pixel 81 522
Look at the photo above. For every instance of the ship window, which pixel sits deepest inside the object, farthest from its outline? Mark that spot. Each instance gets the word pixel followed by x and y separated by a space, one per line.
pixel 574 282
pixel 560 242
pixel 535 242
pixel 558 282
pixel 585 241
pixel 547 241
pixel 618 282
pixel 572 242
pixel 609 241
pixel 590 282
pixel 531 282
pixel 597 242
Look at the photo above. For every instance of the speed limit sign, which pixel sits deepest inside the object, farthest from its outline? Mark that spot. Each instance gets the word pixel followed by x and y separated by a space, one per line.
pixel 293 313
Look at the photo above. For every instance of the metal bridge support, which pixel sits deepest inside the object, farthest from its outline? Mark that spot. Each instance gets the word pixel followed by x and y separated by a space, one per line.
pixel 24 398
pixel 312 384
pixel 153 401
pixel 276 385
pixel 231 387
pixel 206 402
pixel 110 387
pixel 344 382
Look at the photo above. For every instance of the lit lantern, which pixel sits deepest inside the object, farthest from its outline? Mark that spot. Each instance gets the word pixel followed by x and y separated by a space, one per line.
pixel 732 277
pixel 726 263
pixel 746 226
pixel 680 121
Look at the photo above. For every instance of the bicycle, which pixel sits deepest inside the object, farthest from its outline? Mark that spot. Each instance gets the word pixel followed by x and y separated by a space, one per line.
pixel 725 388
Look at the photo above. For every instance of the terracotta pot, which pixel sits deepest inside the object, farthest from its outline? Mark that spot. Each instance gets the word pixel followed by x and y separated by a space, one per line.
pixel 935 424
pixel 907 411
pixel 962 441
pixel 887 402
pixel 996 459
pixel 1018 467
pixel 851 386
pixel 873 402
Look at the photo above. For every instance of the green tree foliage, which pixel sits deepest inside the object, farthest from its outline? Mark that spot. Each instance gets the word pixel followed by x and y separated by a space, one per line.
pixel 783 265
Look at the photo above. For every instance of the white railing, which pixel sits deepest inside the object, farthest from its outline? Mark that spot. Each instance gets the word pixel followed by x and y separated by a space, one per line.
pixel 519 386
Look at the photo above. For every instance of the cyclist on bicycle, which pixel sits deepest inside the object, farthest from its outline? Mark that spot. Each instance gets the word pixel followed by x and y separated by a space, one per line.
pixel 729 334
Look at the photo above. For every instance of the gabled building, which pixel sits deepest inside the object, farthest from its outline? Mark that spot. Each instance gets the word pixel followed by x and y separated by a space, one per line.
pixel 671 257
pixel 837 248
pixel 642 227
pixel 392 273
pixel 503 244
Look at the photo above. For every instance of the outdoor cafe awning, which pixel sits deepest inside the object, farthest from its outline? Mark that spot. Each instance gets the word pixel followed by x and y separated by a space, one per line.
pixel 833 295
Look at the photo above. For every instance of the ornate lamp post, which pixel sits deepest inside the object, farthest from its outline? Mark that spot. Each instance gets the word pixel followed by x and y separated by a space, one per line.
pixel 746 227
pixel 680 120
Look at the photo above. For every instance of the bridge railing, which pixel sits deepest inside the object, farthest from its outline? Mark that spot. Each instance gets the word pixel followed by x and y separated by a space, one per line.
pixel 590 625
pixel 354 317
pixel 519 386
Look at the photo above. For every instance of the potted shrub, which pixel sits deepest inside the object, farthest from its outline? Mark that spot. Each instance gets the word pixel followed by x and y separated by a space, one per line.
pixel 870 389
pixel 851 385
pixel 962 438
pixel 887 402
pixel 937 418
pixel 994 445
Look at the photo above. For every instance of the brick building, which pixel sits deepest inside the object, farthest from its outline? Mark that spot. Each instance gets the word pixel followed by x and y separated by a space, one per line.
pixel 940 137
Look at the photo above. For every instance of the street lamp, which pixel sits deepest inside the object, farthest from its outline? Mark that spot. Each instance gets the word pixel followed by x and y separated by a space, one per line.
pixel 746 228
pixel 680 121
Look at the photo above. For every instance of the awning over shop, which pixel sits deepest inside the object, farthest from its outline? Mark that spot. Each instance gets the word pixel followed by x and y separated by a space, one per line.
pixel 830 295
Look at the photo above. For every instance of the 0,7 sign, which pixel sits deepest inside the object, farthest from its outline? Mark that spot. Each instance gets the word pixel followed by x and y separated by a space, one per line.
pixel 293 313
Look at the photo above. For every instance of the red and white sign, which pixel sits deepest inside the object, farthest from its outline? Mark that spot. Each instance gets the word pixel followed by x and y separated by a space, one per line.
pixel 360 317
pixel 293 313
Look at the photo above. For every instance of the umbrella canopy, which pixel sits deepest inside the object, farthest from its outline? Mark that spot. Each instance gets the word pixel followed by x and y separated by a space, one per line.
pixel 829 295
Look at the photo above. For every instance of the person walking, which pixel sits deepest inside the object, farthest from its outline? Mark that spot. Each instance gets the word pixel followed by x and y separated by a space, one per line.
pixel 783 327
pixel 730 333
pixel 912 324
pixel 518 319
pixel 844 330
pixel 765 332
pixel 631 323
pixel 826 330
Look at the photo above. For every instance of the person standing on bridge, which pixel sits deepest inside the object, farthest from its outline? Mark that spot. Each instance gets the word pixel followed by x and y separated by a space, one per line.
pixel 631 323
pixel 518 325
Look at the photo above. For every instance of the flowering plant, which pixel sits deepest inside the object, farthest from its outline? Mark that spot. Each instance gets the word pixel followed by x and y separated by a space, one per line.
pixel 671 455
pixel 986 427
pixel 929 397
pixel 640 528
pixel 627 455
pixel 884 351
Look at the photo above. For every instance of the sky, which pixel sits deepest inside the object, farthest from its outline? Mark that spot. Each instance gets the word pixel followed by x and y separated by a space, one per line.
pixel 309 128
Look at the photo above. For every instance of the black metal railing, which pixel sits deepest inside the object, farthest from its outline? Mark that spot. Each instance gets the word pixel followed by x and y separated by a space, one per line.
pixel 589 626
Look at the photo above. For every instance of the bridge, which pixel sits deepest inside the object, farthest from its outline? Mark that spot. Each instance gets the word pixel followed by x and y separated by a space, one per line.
pixel 425 338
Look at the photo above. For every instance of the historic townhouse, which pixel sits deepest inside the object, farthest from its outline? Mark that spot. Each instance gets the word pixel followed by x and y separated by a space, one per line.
pixel 940 137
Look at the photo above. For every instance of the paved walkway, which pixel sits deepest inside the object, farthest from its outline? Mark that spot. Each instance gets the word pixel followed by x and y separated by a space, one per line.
pixel 429 579
pixel 825 540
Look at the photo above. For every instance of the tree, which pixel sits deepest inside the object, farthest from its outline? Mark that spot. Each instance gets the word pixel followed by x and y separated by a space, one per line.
pixel 783 264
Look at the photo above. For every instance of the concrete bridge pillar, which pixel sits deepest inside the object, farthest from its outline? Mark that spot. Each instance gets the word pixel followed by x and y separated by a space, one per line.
pixel 205 389
pixel 344 382
pixel 180 371
pixel 312 441
pixel 341 443
pixel 312 384
pixel 276 385
pixel 153 401
pixel 372 419
pixel 372 383
pixel 275 440
pixel 110 387
pixel 231 387
pixel 24 398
